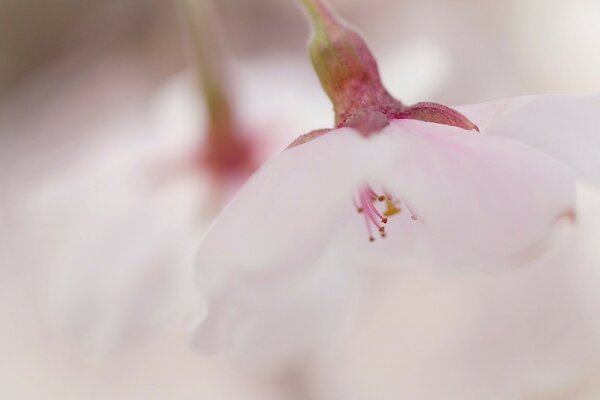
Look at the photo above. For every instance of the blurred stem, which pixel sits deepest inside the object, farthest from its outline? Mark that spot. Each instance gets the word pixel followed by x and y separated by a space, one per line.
pixel 296 383
pixel 227 153
pixel 211 65
pixel 318 12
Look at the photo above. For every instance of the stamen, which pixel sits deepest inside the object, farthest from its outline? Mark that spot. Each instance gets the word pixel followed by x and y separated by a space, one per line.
pixel 370 212
pixel 374 196
pixel 413 215
pixel 374 211
pixel 373 217
pixel 359 209
pixel 371 238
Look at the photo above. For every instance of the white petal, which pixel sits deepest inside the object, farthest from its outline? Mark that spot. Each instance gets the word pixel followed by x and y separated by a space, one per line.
pixel 290 208
pixel 273 234
pixel 266 322
pixel 481 201
pixel 565 127
pixel 479 336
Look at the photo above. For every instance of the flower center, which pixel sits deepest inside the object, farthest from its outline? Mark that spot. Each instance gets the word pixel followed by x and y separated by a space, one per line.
pixel 377 207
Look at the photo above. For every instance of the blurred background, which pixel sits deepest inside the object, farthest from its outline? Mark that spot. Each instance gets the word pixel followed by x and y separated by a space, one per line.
pixel 101 203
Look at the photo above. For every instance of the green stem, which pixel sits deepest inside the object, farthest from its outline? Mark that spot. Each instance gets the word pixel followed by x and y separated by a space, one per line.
pixel 211 66
pixel 346 68
pixel 318 13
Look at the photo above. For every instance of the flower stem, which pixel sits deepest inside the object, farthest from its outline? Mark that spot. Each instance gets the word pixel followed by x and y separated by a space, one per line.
pixel 349 75
pixel 211 65
pixel 317 12
pixel 227 152
pixel 346 68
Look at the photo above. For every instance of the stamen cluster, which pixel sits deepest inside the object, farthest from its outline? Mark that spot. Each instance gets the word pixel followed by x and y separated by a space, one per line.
pixel 366 203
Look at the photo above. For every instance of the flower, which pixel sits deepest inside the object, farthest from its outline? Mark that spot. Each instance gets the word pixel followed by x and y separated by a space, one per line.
pixel 390 185
pixel 115 215
pixel 125 215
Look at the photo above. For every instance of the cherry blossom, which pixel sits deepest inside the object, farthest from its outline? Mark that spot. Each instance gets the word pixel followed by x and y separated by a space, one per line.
pixel 106 227
pixel 390 185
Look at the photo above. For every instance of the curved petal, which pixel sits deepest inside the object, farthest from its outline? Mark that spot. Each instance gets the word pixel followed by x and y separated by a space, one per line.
pixel 271 257
pixel 565 127
pixel 479 200
pixel 116 274
pixel 277 228
pixel 266 322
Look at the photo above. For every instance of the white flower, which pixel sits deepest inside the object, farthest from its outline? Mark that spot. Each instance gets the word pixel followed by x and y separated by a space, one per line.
pixel 390 186
pixel 106 228
pixel 466 199
pixel 95 239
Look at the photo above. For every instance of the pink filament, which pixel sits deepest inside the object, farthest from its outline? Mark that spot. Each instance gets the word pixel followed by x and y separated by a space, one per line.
pixel 366 204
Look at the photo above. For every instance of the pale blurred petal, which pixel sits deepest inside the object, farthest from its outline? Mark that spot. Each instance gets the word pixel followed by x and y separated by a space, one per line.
pixel 115 274
pixel 565 127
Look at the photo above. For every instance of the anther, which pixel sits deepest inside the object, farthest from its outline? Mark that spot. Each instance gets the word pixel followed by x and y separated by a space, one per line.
pixel 391 208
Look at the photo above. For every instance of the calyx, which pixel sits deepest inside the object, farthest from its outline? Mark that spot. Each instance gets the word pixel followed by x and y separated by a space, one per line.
pixel 349 75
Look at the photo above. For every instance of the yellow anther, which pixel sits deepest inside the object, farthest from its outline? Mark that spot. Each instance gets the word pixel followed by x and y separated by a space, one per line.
pixel 391 208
